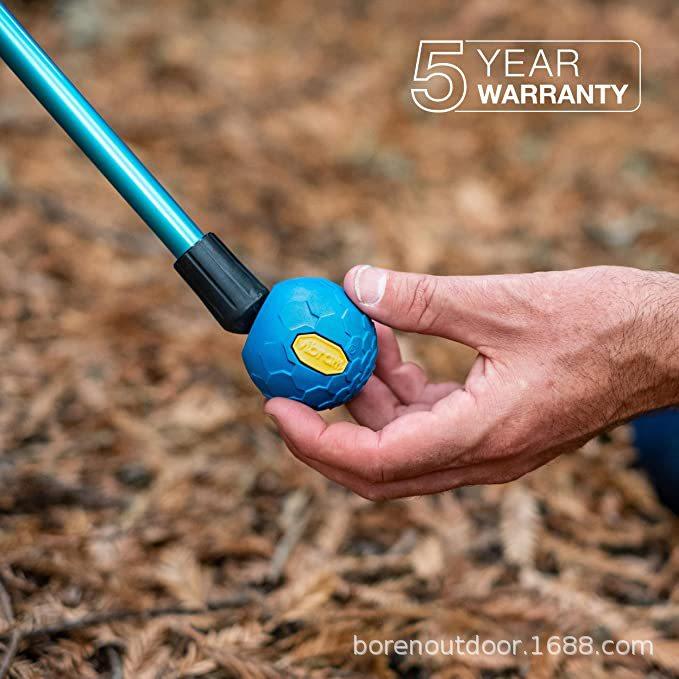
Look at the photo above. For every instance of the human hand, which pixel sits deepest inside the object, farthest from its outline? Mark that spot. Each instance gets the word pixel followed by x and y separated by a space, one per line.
pixel 562 356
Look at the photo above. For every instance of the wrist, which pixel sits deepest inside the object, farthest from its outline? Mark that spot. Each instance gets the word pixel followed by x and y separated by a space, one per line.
pixel 653 341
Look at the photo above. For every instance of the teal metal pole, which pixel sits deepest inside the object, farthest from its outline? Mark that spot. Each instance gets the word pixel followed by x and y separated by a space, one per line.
pixel 307 340
pixel 94 136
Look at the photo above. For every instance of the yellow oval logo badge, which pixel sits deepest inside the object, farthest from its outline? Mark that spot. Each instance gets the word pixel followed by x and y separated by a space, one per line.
pixel 320 354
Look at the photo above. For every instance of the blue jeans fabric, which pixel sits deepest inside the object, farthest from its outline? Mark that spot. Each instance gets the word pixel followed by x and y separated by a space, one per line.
pixel 656 437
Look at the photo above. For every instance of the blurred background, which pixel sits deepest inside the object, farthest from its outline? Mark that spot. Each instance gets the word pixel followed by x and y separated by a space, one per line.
pixel 151 524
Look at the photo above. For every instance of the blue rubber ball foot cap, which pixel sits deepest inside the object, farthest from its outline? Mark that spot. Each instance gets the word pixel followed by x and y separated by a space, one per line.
pixel 310 343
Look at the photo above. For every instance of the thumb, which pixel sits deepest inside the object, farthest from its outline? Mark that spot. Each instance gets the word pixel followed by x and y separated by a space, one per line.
pixel 447 306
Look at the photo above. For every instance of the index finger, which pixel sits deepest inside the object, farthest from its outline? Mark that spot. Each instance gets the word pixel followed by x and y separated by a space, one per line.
pixel 412 445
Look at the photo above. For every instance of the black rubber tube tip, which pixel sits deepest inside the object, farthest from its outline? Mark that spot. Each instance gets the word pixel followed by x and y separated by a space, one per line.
pixel 231 292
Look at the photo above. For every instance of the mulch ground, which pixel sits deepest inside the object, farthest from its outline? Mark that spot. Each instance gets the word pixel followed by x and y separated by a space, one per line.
pixel 151 524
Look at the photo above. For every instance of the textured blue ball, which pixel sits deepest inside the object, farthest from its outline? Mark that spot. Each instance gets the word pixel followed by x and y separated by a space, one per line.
pixel 310 343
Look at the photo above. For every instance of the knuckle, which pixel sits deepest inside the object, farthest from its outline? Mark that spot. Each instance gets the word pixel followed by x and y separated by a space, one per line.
pixel 373 469
pixel 374 473
pixel 373 493
pixel 508 475
pixel 422 305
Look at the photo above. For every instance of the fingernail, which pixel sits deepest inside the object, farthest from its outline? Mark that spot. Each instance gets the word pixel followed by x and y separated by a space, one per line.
pixel 369 284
